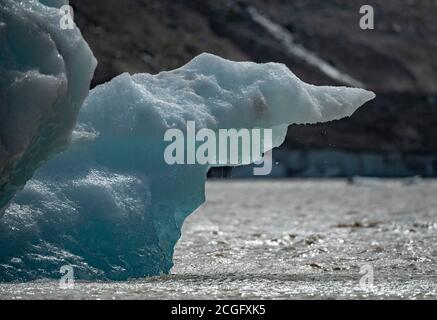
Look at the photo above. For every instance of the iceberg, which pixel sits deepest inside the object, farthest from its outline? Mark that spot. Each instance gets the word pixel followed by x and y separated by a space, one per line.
pixel 109 205
pixel 45 73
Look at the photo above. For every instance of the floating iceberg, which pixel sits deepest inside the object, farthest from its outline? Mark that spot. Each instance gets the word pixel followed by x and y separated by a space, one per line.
pixel 110 205
pixel 45 73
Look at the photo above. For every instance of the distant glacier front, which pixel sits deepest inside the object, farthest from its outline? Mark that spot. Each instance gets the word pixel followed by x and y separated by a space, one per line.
pixel 109 205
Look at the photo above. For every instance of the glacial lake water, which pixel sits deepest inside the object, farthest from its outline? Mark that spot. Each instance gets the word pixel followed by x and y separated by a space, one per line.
pixel 290 239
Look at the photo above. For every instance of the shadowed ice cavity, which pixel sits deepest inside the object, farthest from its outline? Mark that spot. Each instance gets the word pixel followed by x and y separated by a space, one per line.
pixel 110 205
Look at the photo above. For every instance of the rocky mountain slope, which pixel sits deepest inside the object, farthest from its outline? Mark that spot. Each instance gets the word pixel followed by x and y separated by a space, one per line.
pixel 396 59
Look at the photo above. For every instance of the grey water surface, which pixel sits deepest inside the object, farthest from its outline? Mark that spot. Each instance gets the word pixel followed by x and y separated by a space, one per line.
pixel 283 239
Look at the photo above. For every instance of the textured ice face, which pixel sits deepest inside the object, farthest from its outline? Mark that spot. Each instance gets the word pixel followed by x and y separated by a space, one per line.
pixel 45 74
pixel 110 205
pixel 216 94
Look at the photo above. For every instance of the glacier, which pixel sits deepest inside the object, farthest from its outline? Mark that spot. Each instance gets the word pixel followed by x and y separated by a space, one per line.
pixel 109 205
pixel 45 73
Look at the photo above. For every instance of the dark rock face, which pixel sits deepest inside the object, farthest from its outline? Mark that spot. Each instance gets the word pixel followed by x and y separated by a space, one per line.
pixel 152 35
pixel 396 59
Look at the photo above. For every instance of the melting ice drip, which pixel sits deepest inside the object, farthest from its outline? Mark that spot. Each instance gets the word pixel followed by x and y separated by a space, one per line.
pixel 110 205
